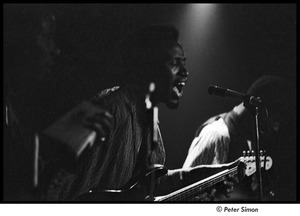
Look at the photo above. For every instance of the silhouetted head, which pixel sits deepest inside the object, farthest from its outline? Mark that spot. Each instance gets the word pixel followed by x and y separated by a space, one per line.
pixel 278 97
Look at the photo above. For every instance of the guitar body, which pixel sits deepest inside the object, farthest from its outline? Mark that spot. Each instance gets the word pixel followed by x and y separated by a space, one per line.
pixel 134 191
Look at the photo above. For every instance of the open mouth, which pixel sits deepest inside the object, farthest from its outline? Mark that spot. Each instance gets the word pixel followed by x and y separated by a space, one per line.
pixel 178 88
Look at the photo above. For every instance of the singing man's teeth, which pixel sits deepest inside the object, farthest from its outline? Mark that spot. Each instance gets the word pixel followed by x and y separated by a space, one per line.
pixel 181 84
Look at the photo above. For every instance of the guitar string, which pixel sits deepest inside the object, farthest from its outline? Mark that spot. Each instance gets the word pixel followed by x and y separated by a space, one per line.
pixel 197 189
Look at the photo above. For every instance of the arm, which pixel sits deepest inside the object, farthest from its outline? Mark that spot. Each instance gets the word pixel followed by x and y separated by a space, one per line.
pixel 211 146
pixel 199 180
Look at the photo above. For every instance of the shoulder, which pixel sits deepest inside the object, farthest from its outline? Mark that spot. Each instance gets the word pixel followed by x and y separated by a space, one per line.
pixel 104 94
pixel 210 145
pixel 107 98
pixel 113 100
pixel 208 122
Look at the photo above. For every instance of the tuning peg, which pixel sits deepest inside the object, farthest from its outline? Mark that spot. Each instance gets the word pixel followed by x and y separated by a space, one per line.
pixel 261 152
pixel 248 153
pixel 252 157
pixel 244 153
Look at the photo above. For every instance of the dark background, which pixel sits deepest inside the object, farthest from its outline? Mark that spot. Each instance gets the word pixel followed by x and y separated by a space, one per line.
pixel 230 45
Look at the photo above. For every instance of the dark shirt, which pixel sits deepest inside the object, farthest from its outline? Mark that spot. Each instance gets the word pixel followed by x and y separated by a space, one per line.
pixel 126 154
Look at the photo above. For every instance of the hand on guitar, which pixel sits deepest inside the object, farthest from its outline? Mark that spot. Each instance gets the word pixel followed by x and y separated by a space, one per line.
pixel 222 188
pixel 226 187
pixel 207 196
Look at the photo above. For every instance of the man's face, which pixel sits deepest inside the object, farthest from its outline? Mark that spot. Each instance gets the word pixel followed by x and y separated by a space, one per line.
pixel 173 77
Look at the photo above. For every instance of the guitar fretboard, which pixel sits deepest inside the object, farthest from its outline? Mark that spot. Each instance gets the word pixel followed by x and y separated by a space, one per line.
pixel 198 187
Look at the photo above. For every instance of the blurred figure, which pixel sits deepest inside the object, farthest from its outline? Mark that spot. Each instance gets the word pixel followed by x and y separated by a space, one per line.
pixel 224 137
pixel 33 91
pixel 29 82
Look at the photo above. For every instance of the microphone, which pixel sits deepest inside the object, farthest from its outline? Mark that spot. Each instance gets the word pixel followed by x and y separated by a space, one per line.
pixel 223 92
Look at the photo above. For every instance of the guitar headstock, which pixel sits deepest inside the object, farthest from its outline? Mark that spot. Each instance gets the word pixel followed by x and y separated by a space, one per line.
pixel 250 164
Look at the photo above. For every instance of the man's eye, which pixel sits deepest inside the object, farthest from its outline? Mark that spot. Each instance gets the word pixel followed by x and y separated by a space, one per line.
pixel 177 62
pixel 174 63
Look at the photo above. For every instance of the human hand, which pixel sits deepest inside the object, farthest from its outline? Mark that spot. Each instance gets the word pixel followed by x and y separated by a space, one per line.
pixel 215 194
pixel 101 123
pixel 204 197
pixel 227 186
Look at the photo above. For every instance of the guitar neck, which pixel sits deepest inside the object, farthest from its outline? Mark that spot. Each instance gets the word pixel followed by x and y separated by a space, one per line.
pixel 198 187
pixel 137 191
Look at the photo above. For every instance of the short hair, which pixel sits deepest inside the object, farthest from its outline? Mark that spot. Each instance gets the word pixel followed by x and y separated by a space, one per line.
pixel 276 94
pixel 145 47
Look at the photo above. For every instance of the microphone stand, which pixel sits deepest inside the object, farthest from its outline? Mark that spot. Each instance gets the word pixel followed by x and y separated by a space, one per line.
pixel 251 103
pixel 152 118
pixel 253 108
